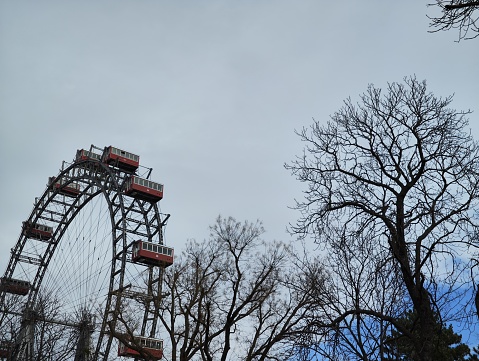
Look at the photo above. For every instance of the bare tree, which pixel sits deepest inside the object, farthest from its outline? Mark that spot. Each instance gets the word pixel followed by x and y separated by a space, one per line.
pixel 457 14
pixel 364 295
pixel 234 296
pixel 126 326
pixel 53 341
pixel 392 187
pixel 52 338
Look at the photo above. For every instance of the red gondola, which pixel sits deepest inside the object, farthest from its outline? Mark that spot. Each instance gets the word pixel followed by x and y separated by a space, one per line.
pixel 121 159
pixel 152 254
pixel 83 154
pixel 67 189
pixel 151 346
pixel 144 189
pixel 12 285
pixel 37 231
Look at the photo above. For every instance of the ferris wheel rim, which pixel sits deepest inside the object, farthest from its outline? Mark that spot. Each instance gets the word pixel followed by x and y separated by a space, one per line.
pixel 110 188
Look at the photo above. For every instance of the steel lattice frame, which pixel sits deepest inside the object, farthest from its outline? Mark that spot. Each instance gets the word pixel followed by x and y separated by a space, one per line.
pixel 130 219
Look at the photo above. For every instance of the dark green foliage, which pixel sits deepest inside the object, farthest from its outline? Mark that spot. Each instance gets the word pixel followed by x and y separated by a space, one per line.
pixel 447 343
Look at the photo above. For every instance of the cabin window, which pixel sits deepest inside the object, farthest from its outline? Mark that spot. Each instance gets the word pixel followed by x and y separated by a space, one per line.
pixel 147 183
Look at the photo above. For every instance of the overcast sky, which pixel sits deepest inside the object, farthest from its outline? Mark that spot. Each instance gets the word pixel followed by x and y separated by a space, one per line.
pixel 208 93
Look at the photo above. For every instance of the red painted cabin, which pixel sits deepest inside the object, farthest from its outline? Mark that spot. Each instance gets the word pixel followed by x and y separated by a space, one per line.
pixel 121 159
pixel 37 231
pixel 12 285
pixel 144 189
pixel 152 346
pixel 83 154
pixel 152 254
pixel 69 190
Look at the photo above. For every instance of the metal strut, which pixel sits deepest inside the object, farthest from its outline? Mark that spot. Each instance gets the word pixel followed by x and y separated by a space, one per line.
pixel 84 347
pixel 24 344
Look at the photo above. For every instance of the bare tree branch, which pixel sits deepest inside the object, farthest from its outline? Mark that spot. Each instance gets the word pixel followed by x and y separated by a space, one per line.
pixel 235 296
pixel 457 14
pixel 392 194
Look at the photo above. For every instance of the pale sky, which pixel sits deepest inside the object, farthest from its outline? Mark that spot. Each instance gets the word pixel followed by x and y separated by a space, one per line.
pixel 208 93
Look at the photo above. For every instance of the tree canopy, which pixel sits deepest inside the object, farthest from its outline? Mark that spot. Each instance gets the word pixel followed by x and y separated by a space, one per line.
pixel 447 343
pixel 236 297
pixel 392 188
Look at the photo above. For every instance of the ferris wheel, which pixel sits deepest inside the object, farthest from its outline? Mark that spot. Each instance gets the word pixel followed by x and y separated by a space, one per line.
pixel 83 281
